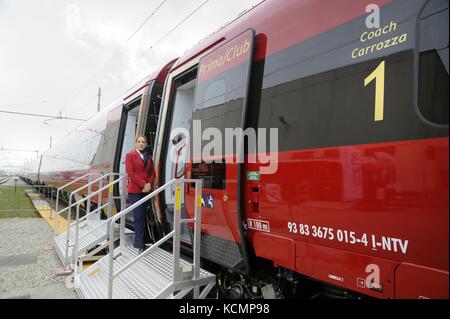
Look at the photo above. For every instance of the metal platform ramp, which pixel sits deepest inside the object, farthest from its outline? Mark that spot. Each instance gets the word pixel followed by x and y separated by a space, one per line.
pixel 154 273
pixel 87 235
pixel 92 233
pixel 151 278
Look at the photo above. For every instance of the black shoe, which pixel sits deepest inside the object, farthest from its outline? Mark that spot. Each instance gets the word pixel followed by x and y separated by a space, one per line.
pixel 138 246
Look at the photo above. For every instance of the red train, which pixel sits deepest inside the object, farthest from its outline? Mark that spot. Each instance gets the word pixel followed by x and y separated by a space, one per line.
pixel 350 196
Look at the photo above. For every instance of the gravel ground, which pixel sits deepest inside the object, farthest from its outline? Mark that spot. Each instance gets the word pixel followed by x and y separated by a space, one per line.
pixel 33 239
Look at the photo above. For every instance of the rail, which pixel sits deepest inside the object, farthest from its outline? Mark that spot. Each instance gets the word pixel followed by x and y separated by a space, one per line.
pixel 122 178
pixel 56 223
pixel 72 194
pixel 175 233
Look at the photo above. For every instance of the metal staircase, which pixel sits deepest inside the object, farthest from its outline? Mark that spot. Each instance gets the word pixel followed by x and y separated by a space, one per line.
pixel 85 236
pixel 154 273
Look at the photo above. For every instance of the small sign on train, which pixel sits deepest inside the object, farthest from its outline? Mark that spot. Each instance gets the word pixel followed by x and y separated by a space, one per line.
pixel 253 176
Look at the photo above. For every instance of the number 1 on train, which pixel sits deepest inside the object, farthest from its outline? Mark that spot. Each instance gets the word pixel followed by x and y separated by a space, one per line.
pixel 378 74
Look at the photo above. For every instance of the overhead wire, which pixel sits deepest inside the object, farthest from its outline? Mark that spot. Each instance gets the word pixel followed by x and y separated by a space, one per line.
pixel 42 115
pixel 180 23
pixel 119 50
pixel 154 45
pixel 163 37
pixel 35 103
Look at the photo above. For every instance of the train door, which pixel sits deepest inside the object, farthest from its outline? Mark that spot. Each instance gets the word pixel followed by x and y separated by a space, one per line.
pixel 127 134
pixel 217 105
pixel 175 146
pixel 139 116
pixel 108 143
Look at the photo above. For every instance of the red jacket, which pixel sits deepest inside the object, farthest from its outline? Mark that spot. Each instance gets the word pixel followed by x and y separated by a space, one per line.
pixel 138 175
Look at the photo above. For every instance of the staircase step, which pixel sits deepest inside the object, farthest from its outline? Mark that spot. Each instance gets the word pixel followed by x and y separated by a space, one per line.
pixel 88 238
pixel 146 279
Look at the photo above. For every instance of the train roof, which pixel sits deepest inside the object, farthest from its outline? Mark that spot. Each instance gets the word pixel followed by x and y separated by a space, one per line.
pixel 159 76
pixel 98 121
pixel 226 32
pixel 282 23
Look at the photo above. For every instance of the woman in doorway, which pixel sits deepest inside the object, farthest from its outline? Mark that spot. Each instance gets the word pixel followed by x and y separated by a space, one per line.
pixel 141 173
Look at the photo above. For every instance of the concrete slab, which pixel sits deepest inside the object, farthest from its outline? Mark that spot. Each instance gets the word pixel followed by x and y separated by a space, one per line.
pixel 48 292
pixel 35 277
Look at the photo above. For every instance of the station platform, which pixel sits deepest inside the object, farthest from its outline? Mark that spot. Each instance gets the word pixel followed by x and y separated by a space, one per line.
pixel 47 212
pixel 99 260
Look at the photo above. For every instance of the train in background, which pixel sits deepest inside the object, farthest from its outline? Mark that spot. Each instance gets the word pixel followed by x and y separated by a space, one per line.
pixel 358 203
pixel 100 144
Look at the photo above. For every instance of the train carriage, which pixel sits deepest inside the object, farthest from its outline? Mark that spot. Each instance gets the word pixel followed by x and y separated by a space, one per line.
pixel 100 144
pixel 321 139
pixel 355 194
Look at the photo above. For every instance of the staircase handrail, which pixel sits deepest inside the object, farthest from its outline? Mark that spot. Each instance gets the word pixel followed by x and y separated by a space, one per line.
pixel 79 202
pixel 72 194
pixel 129 209
pixel 57 198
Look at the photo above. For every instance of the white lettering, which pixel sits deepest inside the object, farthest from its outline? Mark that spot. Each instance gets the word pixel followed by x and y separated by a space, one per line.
pixel 373 19
pixel 214 145
pixel 386 241
pixel 373 279
pixel 191 309
pixel 272 157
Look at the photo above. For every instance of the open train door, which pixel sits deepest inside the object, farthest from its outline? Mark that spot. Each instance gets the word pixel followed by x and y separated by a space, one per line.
pixel 216 149
pixel 139 117
pixel 205 96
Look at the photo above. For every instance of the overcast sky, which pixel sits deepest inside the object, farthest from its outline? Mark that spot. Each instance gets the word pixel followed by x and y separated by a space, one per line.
pixel 54 54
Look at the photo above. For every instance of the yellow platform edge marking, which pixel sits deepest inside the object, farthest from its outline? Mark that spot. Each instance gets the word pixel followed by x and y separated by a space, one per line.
pixel 49 215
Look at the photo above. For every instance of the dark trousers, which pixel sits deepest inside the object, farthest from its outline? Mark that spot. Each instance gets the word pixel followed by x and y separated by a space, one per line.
pixel 139 219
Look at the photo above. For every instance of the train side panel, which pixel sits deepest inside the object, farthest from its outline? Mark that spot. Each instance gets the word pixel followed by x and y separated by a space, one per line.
pixel 360 186
pixel 355 194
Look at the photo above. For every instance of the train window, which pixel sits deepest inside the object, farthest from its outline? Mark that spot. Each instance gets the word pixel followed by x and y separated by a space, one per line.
pixel 433 62
pixel 84 152
pixel 153 114
pixel 214 94
pixel 180 119
pixel 213 175
pixel 222 85
pixel 94 148
pixel 325 109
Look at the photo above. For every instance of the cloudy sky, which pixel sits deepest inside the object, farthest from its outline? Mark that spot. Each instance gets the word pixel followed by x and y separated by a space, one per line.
pixel 55 54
